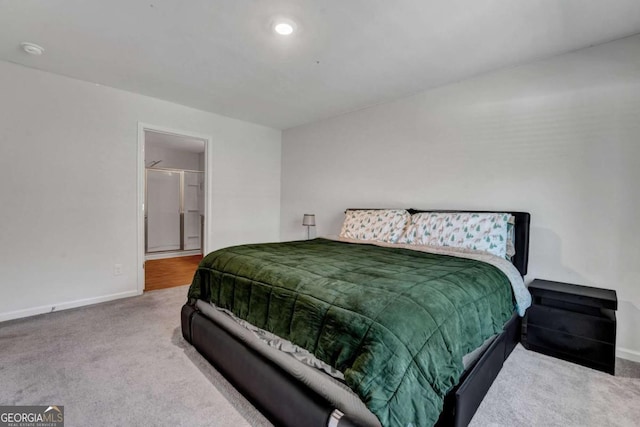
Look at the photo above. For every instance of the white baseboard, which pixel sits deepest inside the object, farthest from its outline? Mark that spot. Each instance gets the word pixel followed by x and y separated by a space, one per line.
pixel 625 353
pixel 10 315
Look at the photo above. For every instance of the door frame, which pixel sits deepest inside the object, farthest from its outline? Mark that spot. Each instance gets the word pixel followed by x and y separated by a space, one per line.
pixel 208 154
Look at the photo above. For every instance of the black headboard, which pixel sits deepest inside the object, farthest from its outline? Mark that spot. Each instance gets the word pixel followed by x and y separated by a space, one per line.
pixel 522 219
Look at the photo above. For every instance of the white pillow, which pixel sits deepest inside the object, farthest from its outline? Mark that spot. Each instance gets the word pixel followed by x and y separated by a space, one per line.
pixel 485 232
pixel 382 225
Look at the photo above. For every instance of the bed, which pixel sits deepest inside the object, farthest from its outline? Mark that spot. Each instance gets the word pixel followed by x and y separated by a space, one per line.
pixel 322 295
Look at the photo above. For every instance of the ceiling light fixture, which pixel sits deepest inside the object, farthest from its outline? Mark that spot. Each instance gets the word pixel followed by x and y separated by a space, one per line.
pixel 32 48
pixel 284 27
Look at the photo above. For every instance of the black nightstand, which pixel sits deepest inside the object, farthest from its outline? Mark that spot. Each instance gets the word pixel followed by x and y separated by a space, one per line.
pixel 572 322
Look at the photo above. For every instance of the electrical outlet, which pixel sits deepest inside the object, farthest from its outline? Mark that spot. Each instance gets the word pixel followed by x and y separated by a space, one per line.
pixel 117 270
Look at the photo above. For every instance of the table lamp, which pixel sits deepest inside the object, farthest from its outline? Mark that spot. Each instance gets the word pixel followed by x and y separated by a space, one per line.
pixel 309 220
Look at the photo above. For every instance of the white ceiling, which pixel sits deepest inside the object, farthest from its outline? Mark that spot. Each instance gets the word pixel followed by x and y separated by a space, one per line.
pixel 174 142
pixel 221 56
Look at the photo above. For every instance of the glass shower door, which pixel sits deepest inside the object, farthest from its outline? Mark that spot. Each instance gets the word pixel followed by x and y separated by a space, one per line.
pixel 163 211
pixel 193 209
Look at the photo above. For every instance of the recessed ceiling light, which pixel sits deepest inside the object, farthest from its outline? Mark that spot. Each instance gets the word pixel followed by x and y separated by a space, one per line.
pixel 32 48
pixel 284 27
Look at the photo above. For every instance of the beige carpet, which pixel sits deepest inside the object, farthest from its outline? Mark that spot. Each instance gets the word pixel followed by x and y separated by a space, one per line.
pixel 537 390
pixel 121 363
pixel 125 363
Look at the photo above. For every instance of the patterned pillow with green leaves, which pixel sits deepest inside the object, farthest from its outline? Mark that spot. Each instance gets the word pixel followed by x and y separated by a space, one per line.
pixel 511 237
pixel 382 225
pixel 485 232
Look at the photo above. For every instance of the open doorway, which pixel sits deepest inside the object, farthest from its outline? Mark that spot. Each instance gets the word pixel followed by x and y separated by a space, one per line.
pixel 173 206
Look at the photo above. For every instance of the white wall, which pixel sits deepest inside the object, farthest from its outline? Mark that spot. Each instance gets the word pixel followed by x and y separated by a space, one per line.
pixel 68 182
pixel 559 138
pixel 173 159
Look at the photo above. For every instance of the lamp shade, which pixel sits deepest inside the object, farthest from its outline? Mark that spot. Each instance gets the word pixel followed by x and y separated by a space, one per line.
pixel 309 220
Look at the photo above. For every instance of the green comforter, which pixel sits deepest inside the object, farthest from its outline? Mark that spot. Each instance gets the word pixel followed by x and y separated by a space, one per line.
pixel 396 322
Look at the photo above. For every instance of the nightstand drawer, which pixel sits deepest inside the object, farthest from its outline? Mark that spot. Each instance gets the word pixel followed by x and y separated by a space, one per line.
pixel 577 348
pixel 601 328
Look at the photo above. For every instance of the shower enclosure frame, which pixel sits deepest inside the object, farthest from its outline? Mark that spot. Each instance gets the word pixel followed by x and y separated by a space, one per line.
pixel 181 213
pixel 141 194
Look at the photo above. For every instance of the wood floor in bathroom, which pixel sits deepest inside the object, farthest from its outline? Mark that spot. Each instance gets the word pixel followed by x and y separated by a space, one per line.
pixel 170 272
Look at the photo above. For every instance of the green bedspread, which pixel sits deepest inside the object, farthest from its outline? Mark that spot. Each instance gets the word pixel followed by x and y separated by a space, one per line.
pixel 396 322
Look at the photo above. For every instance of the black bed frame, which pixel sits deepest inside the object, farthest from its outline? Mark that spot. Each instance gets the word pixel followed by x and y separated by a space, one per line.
pixel 286 401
